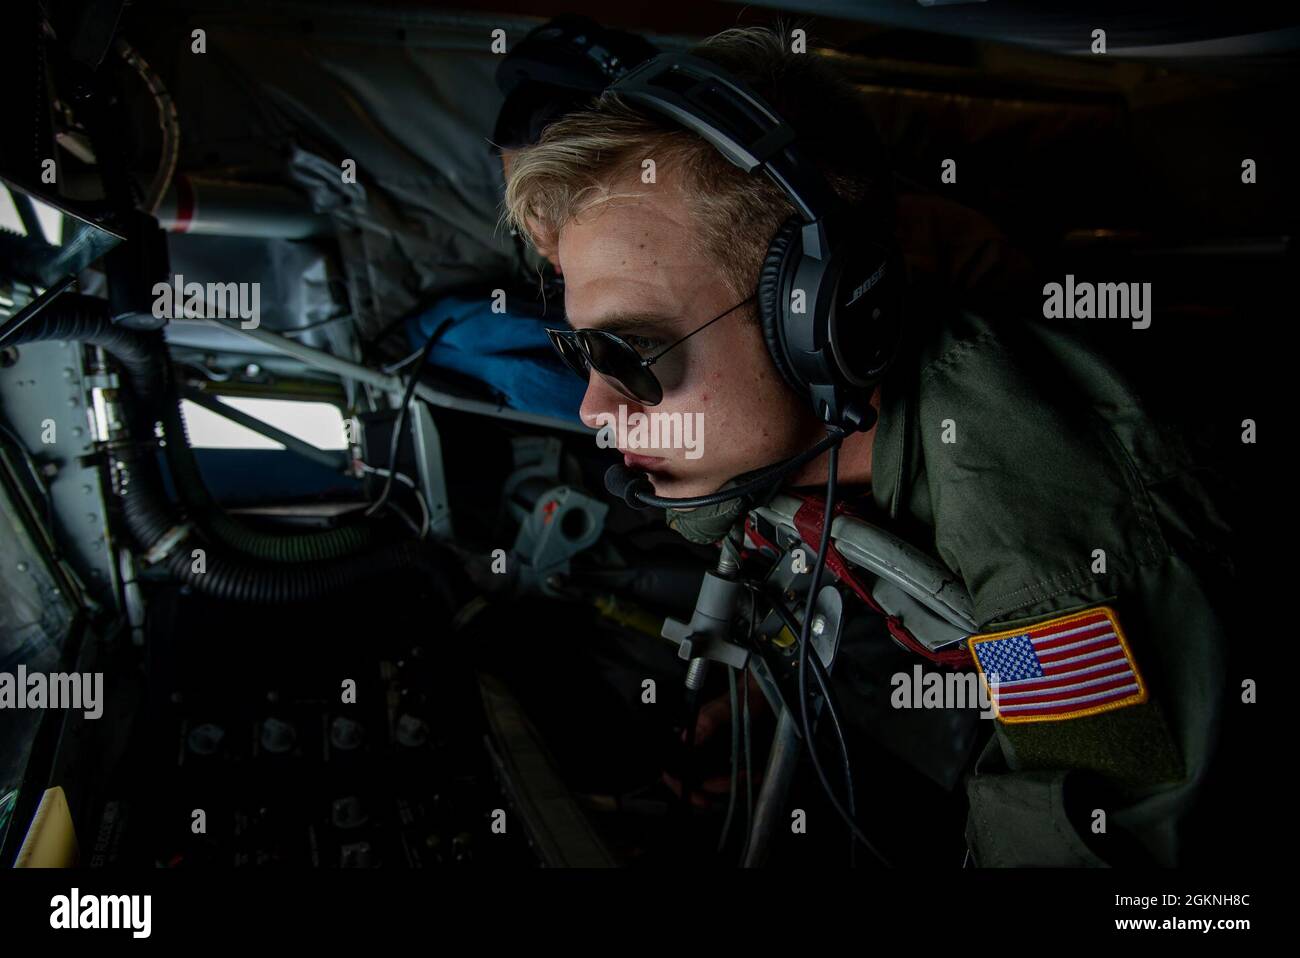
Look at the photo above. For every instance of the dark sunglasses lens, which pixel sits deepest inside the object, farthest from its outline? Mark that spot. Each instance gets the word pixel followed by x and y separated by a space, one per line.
pixel 569 351
pixel 621 366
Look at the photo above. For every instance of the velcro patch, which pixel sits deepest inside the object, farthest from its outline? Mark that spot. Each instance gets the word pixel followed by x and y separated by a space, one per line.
pixel 1078 664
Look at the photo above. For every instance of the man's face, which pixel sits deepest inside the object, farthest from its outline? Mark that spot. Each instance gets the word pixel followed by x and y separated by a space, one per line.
pixel 628 269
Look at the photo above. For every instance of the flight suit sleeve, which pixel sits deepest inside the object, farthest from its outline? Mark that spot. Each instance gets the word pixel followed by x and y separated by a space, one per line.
pixel 1110 787
pixel 1046 492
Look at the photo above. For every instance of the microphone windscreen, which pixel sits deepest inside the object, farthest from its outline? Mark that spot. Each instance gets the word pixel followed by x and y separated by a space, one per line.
pixel 625 483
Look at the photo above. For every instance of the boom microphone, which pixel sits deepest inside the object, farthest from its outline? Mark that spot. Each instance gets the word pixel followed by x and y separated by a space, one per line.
pixel 627 484
pixel 636 490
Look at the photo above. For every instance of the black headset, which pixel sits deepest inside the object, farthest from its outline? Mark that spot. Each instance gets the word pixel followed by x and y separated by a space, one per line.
pixel 556 69
pixel 830 299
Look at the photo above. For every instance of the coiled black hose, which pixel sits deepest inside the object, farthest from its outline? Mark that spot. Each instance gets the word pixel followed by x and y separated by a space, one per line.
pixel 85 319
pixel 300 569
pixel 270 547
pixel 291 547
pixel 142 356
pixel 244 580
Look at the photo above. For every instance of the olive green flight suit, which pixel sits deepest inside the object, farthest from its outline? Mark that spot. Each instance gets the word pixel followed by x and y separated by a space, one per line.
pixel 1052 457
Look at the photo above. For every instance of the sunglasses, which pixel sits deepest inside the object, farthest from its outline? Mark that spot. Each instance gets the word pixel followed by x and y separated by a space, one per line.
pixel 617 361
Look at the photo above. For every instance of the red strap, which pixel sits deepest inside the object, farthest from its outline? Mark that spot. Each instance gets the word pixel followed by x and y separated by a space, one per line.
pixel 752 532
pixel 809 521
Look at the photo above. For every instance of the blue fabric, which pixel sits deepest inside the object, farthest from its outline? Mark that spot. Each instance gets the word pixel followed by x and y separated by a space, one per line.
pixel 508 351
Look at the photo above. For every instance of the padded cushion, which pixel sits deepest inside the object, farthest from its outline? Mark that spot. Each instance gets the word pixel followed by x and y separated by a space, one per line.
pixel 769 295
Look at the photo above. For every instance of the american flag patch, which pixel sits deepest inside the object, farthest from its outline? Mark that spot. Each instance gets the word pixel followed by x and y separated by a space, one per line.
pixel 1064 668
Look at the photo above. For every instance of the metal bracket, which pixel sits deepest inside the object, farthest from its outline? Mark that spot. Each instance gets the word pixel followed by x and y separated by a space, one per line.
pixel 167 543
pixel 776 679
pixel 708 634
pixel 433 478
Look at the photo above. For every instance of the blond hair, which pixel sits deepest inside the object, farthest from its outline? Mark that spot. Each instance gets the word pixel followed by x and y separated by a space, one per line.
pixel 589 157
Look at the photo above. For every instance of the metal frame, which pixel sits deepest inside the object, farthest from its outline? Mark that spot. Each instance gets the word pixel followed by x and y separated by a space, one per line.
pixel 333 458
pixel 49 380
pixel 347 369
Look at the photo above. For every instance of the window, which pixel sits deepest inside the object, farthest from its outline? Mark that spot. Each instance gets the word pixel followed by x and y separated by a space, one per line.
pixel 317 423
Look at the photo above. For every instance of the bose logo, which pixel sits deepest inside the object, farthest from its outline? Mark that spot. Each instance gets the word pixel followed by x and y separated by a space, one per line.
pixel 867 283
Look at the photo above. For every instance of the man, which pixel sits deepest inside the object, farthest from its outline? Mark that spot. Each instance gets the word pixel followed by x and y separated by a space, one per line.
pixel 1004 446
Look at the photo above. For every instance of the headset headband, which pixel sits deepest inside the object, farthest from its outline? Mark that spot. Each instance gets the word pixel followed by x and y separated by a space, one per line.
pixel 701 96
pixel 572 53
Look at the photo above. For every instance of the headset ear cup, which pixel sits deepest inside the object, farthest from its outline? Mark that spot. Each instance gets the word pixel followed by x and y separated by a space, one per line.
pixel 771 310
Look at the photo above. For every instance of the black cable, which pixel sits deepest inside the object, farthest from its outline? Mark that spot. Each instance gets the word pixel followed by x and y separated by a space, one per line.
pixel 766 479
pixel 400 424
pixel 832 707
pixel 688 761
pixel 823 682
pixel 737 718
pixel 833 710
pixel 804 642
